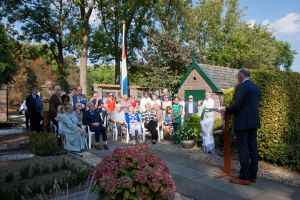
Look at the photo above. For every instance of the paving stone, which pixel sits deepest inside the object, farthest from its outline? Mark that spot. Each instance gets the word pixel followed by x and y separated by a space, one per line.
pixel 184 171
pixel 212 193
pixel 272 196
pixel 242 191
pixel 197 180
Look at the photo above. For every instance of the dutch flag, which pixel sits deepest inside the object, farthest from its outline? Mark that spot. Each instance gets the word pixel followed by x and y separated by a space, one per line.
pixel 124 78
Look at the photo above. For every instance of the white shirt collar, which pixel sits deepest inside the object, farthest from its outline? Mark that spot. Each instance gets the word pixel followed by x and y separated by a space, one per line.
pixel 246 79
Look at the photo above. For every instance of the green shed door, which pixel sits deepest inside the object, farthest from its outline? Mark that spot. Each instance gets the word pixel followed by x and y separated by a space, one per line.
pixel 197 94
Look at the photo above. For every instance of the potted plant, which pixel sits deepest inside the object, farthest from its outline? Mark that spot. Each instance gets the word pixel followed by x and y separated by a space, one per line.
pixel 190 131
pixel 133 173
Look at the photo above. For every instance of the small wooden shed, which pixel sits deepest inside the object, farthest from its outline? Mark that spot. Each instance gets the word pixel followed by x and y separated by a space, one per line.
pixel 202 78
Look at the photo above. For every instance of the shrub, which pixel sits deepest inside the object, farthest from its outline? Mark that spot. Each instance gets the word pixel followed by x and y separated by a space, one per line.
pixel 55 168
pixel 24 171
pixel 191 129
pixel 133 173
pixel 9 177
pixel 218 124
pixel 36 170
pixel 44 144
pixel 279 135
pixel 45 169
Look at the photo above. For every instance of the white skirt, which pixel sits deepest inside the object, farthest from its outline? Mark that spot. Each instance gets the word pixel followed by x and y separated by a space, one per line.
pixel 208 143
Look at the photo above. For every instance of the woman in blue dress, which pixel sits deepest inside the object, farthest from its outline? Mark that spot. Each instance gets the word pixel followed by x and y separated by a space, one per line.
pixel 75 139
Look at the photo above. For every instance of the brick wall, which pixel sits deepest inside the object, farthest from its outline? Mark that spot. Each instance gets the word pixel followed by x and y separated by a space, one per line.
pixel 198 84
pixel 3 104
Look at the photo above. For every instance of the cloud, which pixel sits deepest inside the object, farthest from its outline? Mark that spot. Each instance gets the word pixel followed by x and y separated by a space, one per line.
pixel 251 22
pixel 289 24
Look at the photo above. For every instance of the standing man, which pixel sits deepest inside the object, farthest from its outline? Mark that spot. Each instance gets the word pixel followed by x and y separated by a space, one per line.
pixel 245 108
pixel 80 98
pixel 146 99
pixel 34 106
pixel 190 107
pixel 54 102
pixel 46 94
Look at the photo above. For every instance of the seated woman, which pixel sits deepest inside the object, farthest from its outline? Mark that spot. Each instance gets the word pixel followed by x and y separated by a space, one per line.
pixel 79 113
pixel 120 121
pixel 150 122
pixel 59 133
pixel 168 121
pixel 134 124
pixel 74 135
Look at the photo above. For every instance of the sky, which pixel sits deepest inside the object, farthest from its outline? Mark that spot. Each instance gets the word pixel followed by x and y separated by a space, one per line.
pixel 282 18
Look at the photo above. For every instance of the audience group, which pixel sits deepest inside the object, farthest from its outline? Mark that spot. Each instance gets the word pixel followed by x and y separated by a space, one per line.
pixel 73 113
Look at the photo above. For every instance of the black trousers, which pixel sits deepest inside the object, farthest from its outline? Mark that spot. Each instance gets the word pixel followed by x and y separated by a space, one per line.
pixel 248 154
pixel 151 126
pixel 99 130
pixel 35 121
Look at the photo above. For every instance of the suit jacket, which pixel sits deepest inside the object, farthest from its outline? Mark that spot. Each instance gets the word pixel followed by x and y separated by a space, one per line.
pixel 33 105
pixel 91 117
pixel 245 106
pixel 54 102
pixel 186 107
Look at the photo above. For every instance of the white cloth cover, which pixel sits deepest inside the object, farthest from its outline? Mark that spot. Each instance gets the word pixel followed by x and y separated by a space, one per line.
pixel 207 125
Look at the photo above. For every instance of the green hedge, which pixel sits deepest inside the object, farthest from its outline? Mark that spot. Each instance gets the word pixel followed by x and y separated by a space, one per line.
pixel 279 135
pixel 44 144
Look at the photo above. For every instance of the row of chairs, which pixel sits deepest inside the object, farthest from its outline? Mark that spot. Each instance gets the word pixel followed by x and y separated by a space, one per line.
pixel 144 133
pixel 114 133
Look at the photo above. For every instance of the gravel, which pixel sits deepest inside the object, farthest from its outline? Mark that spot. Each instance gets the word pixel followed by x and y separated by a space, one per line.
pixel 265 170
pixel 15 156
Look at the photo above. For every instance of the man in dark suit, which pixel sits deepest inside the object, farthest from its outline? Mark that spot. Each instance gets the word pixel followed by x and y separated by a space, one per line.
pixel 246 121
pixel 190 107
pixel 92 119
pixel 54 102
pixel 34 106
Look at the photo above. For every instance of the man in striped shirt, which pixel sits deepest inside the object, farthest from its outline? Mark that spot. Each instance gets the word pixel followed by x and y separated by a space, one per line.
pixel 150 122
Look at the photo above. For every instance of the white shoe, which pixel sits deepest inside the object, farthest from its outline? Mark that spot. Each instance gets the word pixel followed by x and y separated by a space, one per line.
pixel 134 142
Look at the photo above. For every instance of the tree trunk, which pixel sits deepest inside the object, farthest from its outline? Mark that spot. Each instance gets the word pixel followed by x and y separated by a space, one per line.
pixel 84 57
pixel 61 67
pixel 116 44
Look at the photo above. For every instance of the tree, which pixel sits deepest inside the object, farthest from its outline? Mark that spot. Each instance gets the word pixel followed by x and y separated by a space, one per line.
pixel 170 16
pixel 105 45
pixel 253 47
pixel 104 74
pixel 86 8
pixel 7 64
pixel 162 63
pixel 46 21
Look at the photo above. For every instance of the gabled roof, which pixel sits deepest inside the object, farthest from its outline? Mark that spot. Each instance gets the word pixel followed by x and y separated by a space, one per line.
pixel 198 68
pixel 218 78
pixel 224 77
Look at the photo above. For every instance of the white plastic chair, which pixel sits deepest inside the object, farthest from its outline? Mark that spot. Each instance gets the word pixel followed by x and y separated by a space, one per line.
pixel 90 134
pixel 115 133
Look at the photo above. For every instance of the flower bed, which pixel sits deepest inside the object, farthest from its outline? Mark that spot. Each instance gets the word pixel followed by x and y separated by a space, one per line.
pixel 133 173
pixel 39 176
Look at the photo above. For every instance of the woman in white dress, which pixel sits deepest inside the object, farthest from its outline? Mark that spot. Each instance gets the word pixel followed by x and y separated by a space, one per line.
pixel 207 124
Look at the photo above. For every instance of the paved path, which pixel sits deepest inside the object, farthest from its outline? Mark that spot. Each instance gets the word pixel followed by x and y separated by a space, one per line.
pixel 197 180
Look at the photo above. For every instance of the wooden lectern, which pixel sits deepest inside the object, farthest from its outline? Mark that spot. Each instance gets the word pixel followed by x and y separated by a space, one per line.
pixel 227 152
